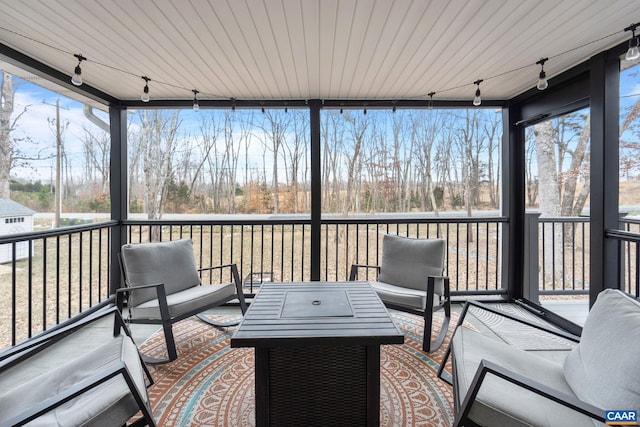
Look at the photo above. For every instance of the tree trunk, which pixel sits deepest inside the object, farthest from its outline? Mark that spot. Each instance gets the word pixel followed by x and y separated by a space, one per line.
pixel 6 109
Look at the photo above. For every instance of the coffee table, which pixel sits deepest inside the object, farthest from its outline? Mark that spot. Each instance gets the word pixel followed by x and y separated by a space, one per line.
pixel 317 352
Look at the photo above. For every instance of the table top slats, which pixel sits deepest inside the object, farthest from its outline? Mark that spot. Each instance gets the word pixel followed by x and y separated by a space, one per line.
pixel 263 325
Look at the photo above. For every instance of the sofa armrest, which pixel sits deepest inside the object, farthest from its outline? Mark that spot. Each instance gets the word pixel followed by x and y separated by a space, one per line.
pixel 481 306
pixel 38 343
pixel 77 390
pixel 353 275
pixel 236 281
pixel 487 367
pixel 161 296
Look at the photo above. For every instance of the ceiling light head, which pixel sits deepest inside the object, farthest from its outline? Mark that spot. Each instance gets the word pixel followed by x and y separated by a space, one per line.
pixel 542 77
pixel 233 105
pixel 145 91
pixel 77 73
pixel 196 105
pixel 633 52
pixel 477 100
pixel 430 95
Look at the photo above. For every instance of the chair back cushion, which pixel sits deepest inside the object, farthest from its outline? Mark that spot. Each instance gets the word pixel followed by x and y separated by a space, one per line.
pixel 172 263
pixel 407 262
pixel 603 368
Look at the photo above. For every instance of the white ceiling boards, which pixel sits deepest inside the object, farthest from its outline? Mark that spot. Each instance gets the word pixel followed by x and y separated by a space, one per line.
pixel 314 49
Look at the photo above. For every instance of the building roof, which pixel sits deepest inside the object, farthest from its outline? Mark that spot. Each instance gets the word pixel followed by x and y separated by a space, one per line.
pixel 10 208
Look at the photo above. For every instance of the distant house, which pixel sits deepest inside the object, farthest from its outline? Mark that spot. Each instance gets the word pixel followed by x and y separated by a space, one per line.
pixel 14 219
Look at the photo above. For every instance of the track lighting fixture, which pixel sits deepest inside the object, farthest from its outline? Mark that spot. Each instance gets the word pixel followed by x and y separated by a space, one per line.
pixel 393 109
pixel 365 109
pixel 542 79
pixel 477 100
pixel 233 105
pixel 341 107
pixel 262 107
pixel 145 90
pixel 633 52
pixel 286 107
pixel 77 73
pixel 196 105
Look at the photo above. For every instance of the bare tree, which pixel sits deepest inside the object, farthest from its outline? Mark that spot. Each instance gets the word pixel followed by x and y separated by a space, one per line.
pixel 158 144
pixel 12 151
pixel 275 128
pixel 425 126
pixel 96 150
pixel 295 152
pixel 357 130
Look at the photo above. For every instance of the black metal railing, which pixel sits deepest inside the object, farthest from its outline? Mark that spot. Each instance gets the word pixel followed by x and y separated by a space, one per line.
pixel 629 253
pixel 52 276
pixel 56 274
pixel 280 250
pixel 557 255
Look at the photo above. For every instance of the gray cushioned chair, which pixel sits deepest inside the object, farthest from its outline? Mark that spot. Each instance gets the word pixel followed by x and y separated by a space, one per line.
pixel 163 286
pixel 86 373
pixel 410 278
pixel 496 384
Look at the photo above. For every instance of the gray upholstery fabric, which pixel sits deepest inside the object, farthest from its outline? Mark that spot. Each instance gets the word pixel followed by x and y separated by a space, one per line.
pixel 403 297
pixel 407 262
pixel 502 404
pixel 109 404
pixel 172 263
pixel 186 301
pixel 603 368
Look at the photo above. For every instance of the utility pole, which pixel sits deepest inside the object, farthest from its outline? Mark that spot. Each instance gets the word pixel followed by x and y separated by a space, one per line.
pixel 58 195
pixel 58 186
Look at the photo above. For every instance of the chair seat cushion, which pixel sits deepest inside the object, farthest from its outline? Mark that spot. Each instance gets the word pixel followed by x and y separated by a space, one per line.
pixel 404 297
pixel 191 300
pixel 111 403
pixel 500 403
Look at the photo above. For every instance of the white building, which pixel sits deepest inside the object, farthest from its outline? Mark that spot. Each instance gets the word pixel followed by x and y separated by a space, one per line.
pixel 14 219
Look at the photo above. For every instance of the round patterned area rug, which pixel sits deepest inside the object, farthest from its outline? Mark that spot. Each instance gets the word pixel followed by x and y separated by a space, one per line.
pixel 211 384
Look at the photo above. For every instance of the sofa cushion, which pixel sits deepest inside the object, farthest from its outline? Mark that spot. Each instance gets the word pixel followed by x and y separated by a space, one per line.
pixel 407 262
pixel 500 403
pixel 111 403
pixel 603 368
pixel 186 301
pixel 172 263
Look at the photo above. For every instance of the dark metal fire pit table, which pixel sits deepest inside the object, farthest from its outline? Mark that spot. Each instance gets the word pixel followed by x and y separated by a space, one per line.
pixel 317 353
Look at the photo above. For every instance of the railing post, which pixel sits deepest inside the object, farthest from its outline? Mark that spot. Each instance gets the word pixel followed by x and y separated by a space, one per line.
pixel 118 190
pixel 315 106
pixel 531 273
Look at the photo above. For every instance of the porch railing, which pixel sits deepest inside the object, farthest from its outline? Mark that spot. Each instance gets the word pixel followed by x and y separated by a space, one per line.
pixel 280 249
pixel 53 275
pixel 56 274
pixel 558 261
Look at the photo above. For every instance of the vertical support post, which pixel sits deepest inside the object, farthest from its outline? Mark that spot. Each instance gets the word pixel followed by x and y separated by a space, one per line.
pixel 605 107
pixel 118 189
pixel 315 106
pixel 513 159
pixel 531 273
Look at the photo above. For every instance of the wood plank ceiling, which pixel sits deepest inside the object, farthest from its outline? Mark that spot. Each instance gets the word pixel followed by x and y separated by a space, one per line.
pixel 314 49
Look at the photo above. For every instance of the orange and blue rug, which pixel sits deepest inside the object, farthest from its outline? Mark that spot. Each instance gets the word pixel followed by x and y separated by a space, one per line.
pixel 211 384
